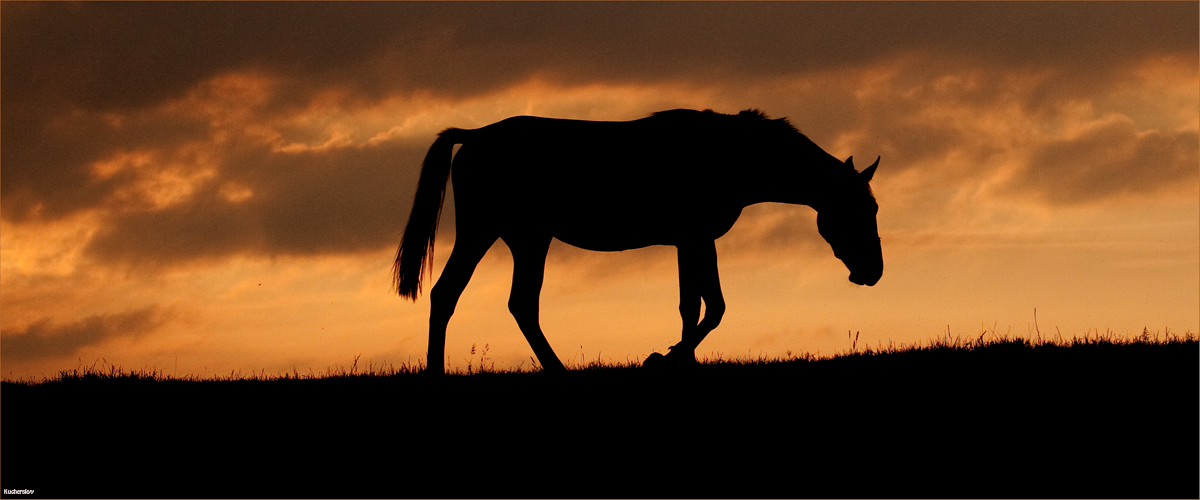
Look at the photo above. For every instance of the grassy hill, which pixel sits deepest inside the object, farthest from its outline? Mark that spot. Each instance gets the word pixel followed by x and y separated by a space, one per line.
pixel 1094 417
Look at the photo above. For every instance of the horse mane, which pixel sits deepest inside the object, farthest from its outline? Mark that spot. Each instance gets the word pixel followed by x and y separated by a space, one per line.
pixel 782 124
pixel 748 117
pixel 779 129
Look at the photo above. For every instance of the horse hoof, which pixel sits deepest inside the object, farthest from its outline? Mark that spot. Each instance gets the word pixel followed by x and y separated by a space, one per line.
pixel 680 358
pixel 655 360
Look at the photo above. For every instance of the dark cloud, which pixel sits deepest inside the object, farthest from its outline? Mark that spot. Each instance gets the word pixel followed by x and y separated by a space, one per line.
pixel 45 339
pixel 110 55
pixel 48 158
pixel 124 55
pixel 336 201
pixel 1111 159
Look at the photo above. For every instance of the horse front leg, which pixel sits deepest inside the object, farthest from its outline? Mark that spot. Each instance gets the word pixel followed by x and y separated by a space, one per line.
pixel 699 282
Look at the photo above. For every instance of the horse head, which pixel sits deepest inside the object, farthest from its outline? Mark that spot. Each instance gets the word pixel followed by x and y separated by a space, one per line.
pixel 846 219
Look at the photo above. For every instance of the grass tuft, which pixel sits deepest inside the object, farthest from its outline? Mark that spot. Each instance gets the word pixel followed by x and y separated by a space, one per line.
pixel 988 340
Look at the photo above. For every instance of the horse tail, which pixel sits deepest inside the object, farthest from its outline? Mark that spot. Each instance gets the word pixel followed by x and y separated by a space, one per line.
pixel 416 246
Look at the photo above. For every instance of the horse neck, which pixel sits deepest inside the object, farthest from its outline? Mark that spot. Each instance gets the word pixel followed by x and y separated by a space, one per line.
pixel 804 179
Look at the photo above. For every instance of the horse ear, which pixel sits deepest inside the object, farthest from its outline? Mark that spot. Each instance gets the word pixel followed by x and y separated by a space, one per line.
pixel 849 161
pixel 870 171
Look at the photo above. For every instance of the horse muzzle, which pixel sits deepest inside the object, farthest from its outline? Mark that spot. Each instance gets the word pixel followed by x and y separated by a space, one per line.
pixel 866 273
pixel 868 279
pixel 866 267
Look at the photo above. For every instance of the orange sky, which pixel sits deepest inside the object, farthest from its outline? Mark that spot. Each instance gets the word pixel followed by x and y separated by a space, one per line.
pixel 200 188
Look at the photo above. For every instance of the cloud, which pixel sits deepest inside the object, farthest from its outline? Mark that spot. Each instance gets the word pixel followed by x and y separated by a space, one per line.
pixel 110 56
pixel 44 339
pixel 202 130
pixel 1111 157
pixel 343 200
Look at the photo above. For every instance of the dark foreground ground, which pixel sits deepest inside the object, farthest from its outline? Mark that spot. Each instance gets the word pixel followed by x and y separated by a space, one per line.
pixel 1007 420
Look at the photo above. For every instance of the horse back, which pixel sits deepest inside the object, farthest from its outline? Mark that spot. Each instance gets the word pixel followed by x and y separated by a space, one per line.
pixel 601 185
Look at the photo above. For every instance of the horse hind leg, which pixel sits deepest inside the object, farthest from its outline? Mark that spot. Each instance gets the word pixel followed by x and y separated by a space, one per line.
pixel 468 250
pixel 529 269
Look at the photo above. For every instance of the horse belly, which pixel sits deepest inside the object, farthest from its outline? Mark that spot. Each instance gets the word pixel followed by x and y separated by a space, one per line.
pixel 623 229
pixel 607 233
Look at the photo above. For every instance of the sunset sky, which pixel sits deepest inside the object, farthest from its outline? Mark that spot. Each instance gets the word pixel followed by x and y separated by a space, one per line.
pixel 201 188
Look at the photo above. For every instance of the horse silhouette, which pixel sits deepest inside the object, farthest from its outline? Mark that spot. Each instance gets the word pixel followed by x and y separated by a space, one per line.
pixel 679 177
